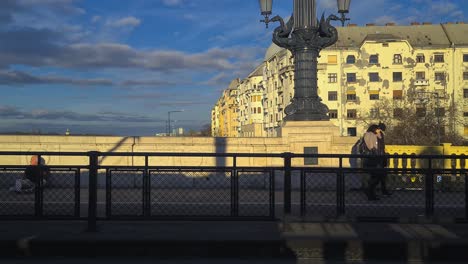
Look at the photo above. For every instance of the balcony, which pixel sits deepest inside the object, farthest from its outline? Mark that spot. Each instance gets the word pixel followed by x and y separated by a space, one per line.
pixel 421 82
pixel 286 69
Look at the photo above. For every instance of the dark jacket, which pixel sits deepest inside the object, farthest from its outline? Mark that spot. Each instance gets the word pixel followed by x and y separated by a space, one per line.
pixel 32 172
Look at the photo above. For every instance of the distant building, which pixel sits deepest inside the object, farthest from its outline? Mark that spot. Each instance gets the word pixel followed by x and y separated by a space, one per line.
pixel 368 63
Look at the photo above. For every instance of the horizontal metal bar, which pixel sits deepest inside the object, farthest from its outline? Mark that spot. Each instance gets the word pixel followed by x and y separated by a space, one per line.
pixel 271 155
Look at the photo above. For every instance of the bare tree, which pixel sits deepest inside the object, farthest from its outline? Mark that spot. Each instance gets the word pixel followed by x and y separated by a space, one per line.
pixel 412 123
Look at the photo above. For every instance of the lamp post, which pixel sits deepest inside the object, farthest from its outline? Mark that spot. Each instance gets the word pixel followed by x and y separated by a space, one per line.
pixel 169 120
pixel 304 35
pixel 424 101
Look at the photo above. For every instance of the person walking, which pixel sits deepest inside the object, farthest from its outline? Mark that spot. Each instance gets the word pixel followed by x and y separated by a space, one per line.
pixel 371 140
pixel 384 161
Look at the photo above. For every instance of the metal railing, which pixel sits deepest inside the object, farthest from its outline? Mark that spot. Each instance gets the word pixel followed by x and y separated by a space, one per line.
pixel 99 191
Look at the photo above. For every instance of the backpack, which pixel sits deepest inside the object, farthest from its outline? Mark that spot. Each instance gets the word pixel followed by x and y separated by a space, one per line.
pixel 362 147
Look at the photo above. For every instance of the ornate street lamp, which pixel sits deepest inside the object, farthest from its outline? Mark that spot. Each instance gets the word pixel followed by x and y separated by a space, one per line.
pixel 305 36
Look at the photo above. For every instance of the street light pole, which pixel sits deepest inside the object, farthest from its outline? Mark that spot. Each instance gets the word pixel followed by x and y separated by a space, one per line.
pixel 169 120
pixel 305 37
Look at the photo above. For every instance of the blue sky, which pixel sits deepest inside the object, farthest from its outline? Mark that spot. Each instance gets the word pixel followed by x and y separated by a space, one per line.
pixel 118 66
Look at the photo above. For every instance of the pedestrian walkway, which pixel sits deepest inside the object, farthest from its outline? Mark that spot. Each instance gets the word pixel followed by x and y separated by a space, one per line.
pixel 234 239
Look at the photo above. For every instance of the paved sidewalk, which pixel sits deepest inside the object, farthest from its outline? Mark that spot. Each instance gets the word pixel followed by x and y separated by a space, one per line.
pixel 226 239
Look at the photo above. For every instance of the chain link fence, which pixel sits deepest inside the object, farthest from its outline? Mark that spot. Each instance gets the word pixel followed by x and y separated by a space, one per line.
pixel 421 188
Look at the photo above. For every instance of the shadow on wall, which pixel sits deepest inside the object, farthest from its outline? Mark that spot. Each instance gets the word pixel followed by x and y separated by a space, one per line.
pixel 431 150
pixel 221 147
pixel 118 145
pixel 355 162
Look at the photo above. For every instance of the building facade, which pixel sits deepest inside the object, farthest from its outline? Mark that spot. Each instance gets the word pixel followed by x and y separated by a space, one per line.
pixel 367 65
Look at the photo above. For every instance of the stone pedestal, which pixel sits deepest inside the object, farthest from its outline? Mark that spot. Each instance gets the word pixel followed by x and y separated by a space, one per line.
pixel 311 137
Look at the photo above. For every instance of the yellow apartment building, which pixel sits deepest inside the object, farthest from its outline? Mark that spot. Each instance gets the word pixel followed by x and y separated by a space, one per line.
pixel 367 64
pixel 250 104
pixel 224 116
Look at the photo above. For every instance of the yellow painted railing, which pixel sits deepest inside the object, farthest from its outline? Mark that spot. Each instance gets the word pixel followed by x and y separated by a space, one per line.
pixel 444 149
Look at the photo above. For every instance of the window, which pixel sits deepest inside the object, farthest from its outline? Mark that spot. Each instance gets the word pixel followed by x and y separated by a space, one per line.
pixel 465 93
pixel 440 112
pixel 351 77
pixel 465 57
pixel 259 110
pixel 351 97
pixel 397 94
pixel 352 131
pixel 374 96
pixel 332 96
pixel 465 76
pixel 374 59
pixel 374 77
pixel 438 58
pixel 465 132
pixel 440 76
pixel 332 77
pixel 350 59
pixel 398 112
pixel 332 59
pixel 333 114
pixel 420 112
pixel 351 114
pixel 397 76
pixel 465 114
pixel 420 58
pixel 397 59
pixel 420 75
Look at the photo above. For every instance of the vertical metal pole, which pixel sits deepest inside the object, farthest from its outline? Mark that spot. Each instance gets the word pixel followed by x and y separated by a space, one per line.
pixel 169 123
pixel 38 192
pixel 235 187
pixel 287 182
pixel 108 193
pixel 303 193
pixel 92 198
pixel 272 194
pixel 146 190
pixel 438 118
pixel 77 193
pixel 340 195
pixel 464 172
pixel 430 190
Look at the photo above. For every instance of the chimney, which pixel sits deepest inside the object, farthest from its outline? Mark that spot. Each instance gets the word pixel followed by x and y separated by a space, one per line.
pixel 370 25
pixel 352 25
pixel 427 23
pixel 390 24
pixel 415 23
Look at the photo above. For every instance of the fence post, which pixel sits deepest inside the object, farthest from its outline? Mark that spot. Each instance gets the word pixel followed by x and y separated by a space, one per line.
pixel 38 191
pixel 429 190
pixel 146 190
pixel 340 196
pixel 92 198
pixel 234 188
pixel 287 182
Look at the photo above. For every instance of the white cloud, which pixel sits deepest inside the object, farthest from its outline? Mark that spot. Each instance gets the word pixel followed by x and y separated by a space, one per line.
pixel 384 19
pixel 172 2
pixel 129 21
pixel 95 19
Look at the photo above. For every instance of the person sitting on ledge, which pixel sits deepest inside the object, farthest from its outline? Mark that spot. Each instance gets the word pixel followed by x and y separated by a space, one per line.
pixel 27 182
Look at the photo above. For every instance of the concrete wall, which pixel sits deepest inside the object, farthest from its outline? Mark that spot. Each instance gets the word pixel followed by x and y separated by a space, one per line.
pixel 295 137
